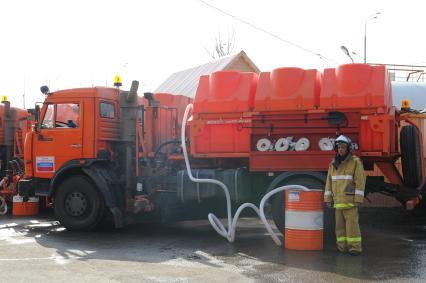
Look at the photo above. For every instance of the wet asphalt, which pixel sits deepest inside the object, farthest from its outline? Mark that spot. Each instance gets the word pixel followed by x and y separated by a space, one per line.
pixel 38 248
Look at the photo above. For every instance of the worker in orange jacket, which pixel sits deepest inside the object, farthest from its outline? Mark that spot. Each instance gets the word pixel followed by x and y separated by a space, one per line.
pixel 345 187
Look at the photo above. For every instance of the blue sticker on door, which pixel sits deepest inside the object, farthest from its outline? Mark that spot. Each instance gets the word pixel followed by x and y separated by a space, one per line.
pixel 45 164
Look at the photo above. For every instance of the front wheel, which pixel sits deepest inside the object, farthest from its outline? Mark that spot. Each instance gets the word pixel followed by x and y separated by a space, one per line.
pixel 78 204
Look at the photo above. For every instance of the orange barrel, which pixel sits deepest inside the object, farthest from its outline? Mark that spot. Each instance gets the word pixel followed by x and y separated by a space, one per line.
pixel 27 208
pixel 304 220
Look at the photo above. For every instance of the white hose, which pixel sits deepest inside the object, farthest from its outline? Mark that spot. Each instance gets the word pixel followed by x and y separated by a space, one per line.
pixel 232 222
pixel 3 206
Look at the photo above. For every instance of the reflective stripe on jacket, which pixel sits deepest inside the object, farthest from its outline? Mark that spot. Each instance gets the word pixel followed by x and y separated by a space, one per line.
pixel 346 183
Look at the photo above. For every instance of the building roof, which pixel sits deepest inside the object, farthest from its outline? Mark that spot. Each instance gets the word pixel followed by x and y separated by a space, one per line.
pixel 185 82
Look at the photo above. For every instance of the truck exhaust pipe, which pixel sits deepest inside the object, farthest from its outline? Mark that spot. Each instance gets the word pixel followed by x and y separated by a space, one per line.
pixel 133 92
pixel 128 115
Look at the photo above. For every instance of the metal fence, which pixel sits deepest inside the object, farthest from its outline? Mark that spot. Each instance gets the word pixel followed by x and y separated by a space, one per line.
pixel 405 73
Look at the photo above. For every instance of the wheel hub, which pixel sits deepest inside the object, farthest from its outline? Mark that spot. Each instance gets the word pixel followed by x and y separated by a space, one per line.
pixel 76 203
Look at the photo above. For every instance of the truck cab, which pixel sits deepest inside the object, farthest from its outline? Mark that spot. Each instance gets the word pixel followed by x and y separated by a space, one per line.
pixel 74 132
pixel 100 152
pixel 68 130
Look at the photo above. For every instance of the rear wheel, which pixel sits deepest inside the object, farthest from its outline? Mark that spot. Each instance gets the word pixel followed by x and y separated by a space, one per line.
pixel 410 155
pixel 78 204
pixel 278 203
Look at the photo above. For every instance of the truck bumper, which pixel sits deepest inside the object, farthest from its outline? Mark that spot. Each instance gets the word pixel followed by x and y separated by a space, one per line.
pixel 26 188
pixel 33 187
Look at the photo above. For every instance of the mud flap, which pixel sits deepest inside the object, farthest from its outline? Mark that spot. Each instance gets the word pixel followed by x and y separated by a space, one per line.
pixel 104 179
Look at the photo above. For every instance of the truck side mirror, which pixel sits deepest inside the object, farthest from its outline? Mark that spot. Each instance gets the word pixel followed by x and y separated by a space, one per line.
pixel 37 117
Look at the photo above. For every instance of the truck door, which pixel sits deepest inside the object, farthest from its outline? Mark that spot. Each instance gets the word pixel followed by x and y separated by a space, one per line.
pixel 59 138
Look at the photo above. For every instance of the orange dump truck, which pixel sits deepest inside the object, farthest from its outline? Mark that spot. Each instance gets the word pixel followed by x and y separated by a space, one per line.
pixel 14 124
pixel 123 158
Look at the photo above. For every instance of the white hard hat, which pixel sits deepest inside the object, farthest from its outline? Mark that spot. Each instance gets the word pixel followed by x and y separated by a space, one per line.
pixel 343 139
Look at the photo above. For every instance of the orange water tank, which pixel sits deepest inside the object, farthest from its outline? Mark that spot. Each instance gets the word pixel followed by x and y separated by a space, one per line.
pixel 225 91
pixel 304 220
pixel 163 122
pixel 173 101
pixel 220 124
pixel 356 86
pixel 288 89
pixel 24 208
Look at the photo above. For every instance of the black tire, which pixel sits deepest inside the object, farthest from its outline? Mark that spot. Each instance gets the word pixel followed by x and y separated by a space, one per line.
pixel 410 156
pixel 278 203
pixel 78 204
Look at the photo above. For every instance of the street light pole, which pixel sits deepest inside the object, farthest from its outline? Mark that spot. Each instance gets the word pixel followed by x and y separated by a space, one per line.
pixel 346 51
pixel 365 42
pixel 374 16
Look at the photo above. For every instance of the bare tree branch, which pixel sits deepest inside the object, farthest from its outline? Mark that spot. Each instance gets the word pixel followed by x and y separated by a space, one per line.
pixel 223 47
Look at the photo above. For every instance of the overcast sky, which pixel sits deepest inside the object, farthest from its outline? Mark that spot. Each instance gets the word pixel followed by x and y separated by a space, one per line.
pixel 80 43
